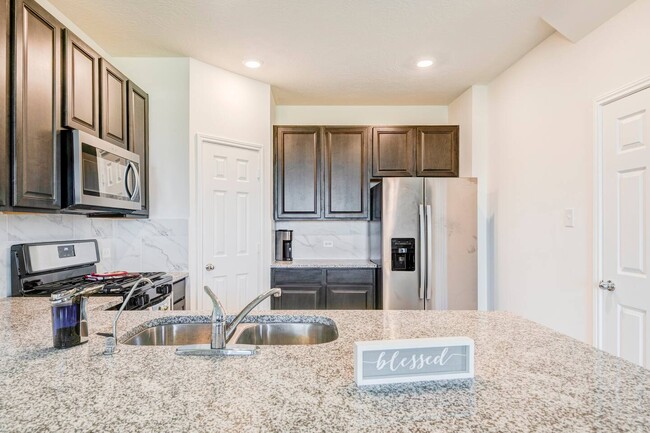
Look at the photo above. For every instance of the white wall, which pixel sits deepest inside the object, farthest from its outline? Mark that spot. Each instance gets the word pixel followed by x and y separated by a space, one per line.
pixel 469 111
pixel 541 139
pixel 167 82
pixel 227 105
pixel 360 115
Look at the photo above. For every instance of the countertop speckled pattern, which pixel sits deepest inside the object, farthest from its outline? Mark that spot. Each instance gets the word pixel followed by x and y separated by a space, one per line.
pixel 177 276
pixel 528 378
pixel 324 263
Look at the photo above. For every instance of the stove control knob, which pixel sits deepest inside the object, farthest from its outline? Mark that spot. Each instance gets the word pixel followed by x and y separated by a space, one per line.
pixel 163 290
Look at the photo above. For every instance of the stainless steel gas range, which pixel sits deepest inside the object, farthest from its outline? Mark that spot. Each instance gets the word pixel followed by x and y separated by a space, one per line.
pixel 40 269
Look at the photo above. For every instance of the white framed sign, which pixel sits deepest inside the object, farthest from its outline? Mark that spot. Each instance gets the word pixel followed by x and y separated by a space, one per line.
pixel 413 360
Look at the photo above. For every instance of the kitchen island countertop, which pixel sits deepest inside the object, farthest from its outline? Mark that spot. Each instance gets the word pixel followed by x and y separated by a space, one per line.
pixel 528 378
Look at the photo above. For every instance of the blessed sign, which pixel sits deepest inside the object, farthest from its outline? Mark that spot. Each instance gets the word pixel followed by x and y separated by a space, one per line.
pixel 415 360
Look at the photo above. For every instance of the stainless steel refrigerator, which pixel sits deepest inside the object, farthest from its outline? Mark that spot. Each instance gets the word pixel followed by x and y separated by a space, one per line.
pixel 423 235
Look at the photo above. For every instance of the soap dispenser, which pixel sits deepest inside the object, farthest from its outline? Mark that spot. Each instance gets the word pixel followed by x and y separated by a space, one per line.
pixel 69 315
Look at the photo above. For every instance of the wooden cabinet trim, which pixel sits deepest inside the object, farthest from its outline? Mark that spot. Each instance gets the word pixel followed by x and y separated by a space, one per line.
pixel 363 186
pixel 133 92
pixel 431 168
pixel 72 118
pixel 113 111
pixel 36 158
pixel 280 174
pixel 408 168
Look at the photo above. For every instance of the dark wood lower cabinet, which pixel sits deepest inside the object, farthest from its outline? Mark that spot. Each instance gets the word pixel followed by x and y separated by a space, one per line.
pixel 319 289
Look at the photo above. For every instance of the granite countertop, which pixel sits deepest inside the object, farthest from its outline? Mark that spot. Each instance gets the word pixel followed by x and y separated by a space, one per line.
pixel 325 263
pixel 177 276
pixel 528 378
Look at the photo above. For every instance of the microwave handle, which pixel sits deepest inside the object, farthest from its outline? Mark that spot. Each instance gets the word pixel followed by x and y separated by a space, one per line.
pixel 131 166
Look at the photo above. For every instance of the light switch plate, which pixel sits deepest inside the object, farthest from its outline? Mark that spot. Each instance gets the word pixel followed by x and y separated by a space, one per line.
pixel 106 253
pixel 569 218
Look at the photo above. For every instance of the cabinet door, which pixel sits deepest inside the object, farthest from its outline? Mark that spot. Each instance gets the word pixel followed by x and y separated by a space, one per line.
pixel 350 289
pixel 350 297
pixel 113 86
pixel 37 161
pixel 81 80
pixel 5 167
pixel 302 289
pixel 297 162
pixel 138 121
pixel 437 151
pixel 393 151
pixel 346 173
pixel 299 297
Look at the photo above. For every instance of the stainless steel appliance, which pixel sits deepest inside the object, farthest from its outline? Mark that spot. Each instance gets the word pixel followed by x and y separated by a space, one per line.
pixel 99 176
pixel 423 236
pixel 283 248
pixel 41 269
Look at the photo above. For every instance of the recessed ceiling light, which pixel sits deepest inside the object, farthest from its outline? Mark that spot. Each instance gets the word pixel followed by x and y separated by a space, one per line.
pixel 252 63
pixel 425 63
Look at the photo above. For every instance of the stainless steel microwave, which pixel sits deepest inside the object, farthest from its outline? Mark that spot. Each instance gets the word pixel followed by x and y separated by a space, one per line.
pixel 99 176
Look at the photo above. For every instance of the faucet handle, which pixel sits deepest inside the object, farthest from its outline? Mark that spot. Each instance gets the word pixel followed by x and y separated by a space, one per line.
pixel 218 312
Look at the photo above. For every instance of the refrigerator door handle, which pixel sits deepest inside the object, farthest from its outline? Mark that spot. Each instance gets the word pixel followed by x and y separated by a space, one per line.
pixel 429 253
pixel 423 259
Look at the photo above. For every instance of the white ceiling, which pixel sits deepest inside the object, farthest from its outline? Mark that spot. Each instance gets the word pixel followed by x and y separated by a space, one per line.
pixel 327 52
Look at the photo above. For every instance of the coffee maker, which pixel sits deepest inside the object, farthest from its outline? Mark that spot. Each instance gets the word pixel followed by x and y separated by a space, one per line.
pixel 283 240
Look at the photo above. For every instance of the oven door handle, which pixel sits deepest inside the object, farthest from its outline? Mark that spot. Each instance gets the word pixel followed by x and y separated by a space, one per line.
pixel 131 166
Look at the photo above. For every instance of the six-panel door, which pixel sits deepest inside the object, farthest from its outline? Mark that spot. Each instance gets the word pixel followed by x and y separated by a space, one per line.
pixel 625 302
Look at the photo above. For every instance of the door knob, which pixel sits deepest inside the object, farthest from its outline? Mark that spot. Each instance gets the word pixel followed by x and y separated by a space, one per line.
pixel 607 285
pixel 209 267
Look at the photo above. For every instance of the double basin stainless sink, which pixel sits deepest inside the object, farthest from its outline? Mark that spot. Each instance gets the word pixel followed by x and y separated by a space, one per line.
pixel 271 333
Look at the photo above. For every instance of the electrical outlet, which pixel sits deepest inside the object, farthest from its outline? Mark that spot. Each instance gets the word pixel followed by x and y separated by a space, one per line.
pixel 328 244
pixel 106 253
pixel 569 218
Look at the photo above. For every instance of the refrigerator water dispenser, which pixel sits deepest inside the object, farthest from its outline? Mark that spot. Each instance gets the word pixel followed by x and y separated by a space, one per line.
pixel 402 254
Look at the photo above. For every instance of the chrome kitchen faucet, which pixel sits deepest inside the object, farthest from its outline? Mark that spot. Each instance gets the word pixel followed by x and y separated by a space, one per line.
pixel 222 332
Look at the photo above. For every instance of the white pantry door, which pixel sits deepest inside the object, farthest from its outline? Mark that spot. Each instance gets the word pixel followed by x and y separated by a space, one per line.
pixel 231 191
pixel 625 303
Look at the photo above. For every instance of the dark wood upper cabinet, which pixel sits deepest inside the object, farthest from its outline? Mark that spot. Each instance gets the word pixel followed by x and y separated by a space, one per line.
pixel 393 151
pixel 5 165
pixel 81 85
pixel 437 151
pixel 113 86
pixel 36 156
pixel 346 185
pixel 297 172
pixel 138 121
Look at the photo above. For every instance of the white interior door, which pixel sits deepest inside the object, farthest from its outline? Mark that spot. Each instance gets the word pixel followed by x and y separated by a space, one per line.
pixel 231 224
pixel 625 303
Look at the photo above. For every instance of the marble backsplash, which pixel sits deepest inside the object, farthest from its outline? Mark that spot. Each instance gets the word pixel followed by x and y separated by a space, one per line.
pixel 348 239
pixel 131 245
